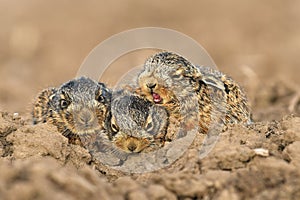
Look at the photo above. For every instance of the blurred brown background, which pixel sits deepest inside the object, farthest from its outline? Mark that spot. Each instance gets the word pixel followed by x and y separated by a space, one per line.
pixel 43 44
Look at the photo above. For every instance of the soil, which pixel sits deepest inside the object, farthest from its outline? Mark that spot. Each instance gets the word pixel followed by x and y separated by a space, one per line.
pixel 258 45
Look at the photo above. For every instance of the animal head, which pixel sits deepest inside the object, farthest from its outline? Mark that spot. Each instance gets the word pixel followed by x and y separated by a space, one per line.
pixel 77 107
pixel 137 125
pixel 165 75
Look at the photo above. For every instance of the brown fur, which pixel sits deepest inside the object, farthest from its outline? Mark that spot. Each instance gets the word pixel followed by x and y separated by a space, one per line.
pixel 184 87
pixel 77 108
pixel 137 125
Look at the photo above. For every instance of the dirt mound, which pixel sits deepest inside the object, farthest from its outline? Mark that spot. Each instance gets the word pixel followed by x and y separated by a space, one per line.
pixel 260 161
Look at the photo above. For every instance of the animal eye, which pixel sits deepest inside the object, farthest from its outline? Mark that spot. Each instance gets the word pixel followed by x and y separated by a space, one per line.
pixel 100 99
pixel 149 126
pixel 114 126
pixel 64 103
pixel 176 76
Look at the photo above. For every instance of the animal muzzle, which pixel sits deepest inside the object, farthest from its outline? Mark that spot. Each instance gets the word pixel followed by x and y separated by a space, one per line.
pixel 132 144
pixel 85 119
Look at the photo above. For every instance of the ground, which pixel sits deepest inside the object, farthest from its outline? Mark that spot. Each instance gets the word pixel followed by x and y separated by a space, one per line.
pixel 257 43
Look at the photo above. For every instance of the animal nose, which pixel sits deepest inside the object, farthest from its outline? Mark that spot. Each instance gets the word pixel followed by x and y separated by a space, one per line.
pixel 131 147
pixel 151 85
pixel 86 116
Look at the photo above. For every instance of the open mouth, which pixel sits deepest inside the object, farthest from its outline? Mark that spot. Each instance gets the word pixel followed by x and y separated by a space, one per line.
pixel 156 97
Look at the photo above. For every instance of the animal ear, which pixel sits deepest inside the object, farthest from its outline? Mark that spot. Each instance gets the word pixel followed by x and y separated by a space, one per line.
pixel 104 90
pixel 213 81
pixel 41 105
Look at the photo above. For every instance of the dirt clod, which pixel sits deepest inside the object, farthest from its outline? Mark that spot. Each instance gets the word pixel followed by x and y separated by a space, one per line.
pixel 41 162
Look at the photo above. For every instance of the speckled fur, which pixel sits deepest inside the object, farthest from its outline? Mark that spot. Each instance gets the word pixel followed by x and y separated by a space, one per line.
pixel 77 108
pixel 137 125
pixel 191 93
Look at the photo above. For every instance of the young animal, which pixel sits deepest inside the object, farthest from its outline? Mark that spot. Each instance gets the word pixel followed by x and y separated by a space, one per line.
pixel 171 81
pixel 137 125
pixel 77 108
